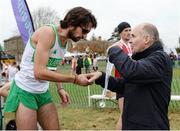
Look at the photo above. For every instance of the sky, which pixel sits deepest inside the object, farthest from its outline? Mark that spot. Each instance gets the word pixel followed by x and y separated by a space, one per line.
pixel 164 14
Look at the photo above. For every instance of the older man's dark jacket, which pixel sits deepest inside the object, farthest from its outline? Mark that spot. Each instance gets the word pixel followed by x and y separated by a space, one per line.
pixel 146 86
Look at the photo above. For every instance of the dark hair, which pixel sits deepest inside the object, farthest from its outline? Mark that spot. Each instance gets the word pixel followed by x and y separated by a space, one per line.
pixel 14 63
pixel 3 74
pixel 1 65
pixel 78 16
pixel 18 67
pixel 11 125
pixel 122 26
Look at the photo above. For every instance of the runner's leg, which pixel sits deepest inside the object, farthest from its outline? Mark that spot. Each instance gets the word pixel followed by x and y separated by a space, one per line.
pixel 48 117
pixel 26 119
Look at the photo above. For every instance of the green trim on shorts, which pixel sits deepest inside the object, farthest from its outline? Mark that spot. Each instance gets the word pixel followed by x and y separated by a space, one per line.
pixel 29 100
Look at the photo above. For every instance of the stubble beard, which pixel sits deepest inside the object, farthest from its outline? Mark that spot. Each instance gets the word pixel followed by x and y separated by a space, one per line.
pixel 73 37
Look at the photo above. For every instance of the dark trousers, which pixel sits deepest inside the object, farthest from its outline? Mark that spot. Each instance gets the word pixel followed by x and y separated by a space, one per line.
pixel 78 70
pixel 136 126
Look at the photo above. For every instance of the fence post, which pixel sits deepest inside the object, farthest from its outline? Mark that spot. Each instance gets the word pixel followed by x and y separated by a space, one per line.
pixel 89 94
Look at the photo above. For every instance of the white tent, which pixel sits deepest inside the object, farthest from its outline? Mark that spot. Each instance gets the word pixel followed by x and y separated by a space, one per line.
pixel 69 54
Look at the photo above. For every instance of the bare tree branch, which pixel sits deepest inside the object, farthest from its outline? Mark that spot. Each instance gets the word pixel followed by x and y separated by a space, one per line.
pixel 43 16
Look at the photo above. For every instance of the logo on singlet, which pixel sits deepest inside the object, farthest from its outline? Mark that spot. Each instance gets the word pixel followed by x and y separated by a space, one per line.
pixel 53 62
pixel 55 51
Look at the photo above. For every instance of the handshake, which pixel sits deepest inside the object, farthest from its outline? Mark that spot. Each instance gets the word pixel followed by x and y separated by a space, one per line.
pixel 87 79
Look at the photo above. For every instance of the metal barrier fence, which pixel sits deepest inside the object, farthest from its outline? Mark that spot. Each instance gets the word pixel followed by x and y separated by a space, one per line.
pixel 176 64
pixel 79 95
pixel 175 90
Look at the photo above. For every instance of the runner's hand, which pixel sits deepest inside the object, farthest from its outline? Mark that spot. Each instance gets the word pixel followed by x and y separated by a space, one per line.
pixel 65 99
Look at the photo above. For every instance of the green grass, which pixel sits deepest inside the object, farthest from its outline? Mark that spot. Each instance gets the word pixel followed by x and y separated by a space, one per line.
pixel 79 116
pixel 176 72
pixel 96 119
pixel 79 95
pixel 101 119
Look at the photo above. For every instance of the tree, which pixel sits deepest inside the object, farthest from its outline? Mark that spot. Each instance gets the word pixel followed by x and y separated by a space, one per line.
pixel 178 48
pixel 43 16
pixel 93 37
pixel 1 48
pixel 115 36
pixel 1 52
pixel 93 46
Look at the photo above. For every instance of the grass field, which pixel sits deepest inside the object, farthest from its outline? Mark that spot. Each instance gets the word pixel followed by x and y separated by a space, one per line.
pixel 96 119
pixel 79 116
pixel 79 95
pixel 101 119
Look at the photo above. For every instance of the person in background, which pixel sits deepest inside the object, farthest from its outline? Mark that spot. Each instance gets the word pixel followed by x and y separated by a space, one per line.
pixel 146 81
pixel 87 64
pixel 5 84
pixel 63 62
pixel 11 72
pixel 124 31
pixel 73 64
pixel 79 65
pixel 1 66
pixel 95 63
pixel 173 58
pixel 4 69
pixel 29 96
pixel 3 79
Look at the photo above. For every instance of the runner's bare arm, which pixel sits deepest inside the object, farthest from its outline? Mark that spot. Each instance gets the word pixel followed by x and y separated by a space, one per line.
pixel 44 42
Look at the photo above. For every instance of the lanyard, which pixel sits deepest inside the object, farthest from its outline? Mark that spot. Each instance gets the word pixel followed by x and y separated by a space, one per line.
pixel 127 46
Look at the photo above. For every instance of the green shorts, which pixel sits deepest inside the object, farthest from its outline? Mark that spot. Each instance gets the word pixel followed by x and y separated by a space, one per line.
pixel 30 100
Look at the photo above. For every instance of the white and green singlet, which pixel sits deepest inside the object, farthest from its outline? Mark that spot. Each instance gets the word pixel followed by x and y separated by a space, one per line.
pixel 25 77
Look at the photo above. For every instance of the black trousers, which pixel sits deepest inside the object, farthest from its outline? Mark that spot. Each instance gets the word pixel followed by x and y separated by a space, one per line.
pixel 78 70
pixel 137 126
